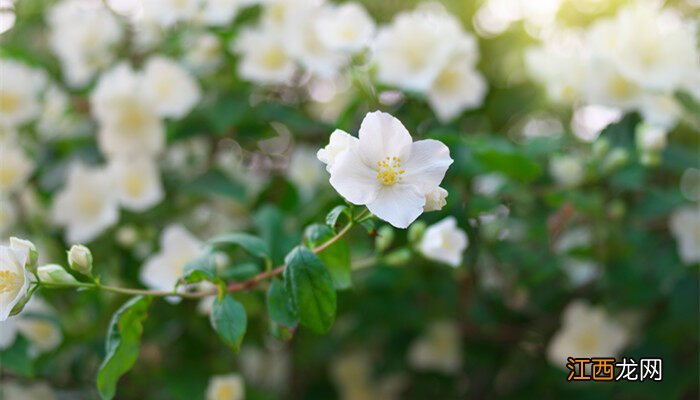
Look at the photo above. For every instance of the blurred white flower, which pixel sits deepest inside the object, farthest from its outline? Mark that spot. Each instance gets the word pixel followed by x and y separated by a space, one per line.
pixel 87 205
pixel 388 172
pixel 226 387
pixel 567 170
pixel 685 227
pixel 439 349
pixel 129 123
pixel 607 86
pixel 7 16
pixel 83 34
pixel 580 271
pixel 177 247
pixel 168 12
pixel 435 199
pixel 353 376
pixel 20 87
pixel 338 143
pixel 8 214
pixel 39 326
pixel 457 87
pixel 264 57
pixel 660 109
pixel 345 27
pixel 411 52
pixel 650 138
pixel 132 9
pixel 589 121
pixel 304 170
pixel 268 367
pixel 137 182
pixel 54 120
pixel 444 242
pixel 219 12
pixel 586 332
pixel 15 167
pixel 173 91
pixel 488 184
pixel 14 280
pixel 8 332
pixel 203 52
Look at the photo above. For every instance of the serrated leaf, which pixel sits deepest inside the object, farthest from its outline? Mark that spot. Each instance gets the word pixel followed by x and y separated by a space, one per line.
pixel 335 213
pixel 229 320
pixel 253 245
pixel 278 304
pixel 310 286
pixel 336 257
pixel 123 342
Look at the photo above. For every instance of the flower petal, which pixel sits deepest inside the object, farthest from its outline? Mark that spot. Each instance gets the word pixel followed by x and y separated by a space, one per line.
pixel 381 136
pixel 353 179
pixel 427 164
pixel 398 205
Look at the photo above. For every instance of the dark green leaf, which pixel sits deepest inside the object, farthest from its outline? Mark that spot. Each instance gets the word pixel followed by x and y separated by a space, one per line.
pixel 123 341
pixel 229 320
pixel 278 304
pixel 16 358
pixel 335 213
pixel 251 244
pixel 216 183
pixel 313 297
pixel 510 163
pixel 336 257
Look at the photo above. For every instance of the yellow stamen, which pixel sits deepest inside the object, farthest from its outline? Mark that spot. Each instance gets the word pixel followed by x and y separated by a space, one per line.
pixel 389 171
pixel 9 281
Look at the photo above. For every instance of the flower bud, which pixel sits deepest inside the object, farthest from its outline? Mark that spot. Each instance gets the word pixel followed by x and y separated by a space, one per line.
pixel 385 236
pixel 19 306
pixel 54 273
pixel 398 257
pixel 80 259
pixel 650 138
pixel 435 199
pixel 32 254
pixel 617 158
pixel 415 232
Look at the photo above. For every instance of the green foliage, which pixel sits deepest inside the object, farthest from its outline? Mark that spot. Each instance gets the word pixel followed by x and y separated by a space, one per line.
pixel 336 257
pixel 310 287
pixel 229 320
pixel 122 346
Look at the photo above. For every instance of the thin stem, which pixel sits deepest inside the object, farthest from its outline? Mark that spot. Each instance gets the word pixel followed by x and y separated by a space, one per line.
pixel 232 287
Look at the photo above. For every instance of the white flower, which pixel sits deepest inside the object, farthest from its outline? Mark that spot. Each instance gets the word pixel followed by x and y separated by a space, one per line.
pixel 87 205
pixel 685 227
pixel 177 247
pixel 264 58
pixel 8 332
pixel 14 280
pixel 8 214
pixel 660 109
pixel 580 271
pixel 171 88
pixel 38 325
pixel 488 184
pixel 19 90
pixel 14 391
pixel 129 123
pixel 15 167
pixel 410 52
pixel 457 87
pixel 586 332
pixel 202 52
pixel 650 138
pixel 226 387
pixel 435 199
pixel 168 12
pixel 55 119
pixel 444 242
pixel 439 349
pixel 567 170
pixel 304 43
pixel 80 259
pixel 609 87
pixel 266 367
pixel 137 182
pixel 304 170
pixel 83 34
pixel 345 27
pixel 219 12
pixel 7 15
pixel 338 143
pixel 388 172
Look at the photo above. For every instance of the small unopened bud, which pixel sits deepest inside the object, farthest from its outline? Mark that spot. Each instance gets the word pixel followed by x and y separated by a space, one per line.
pixel 19 306
pixel 435 199
pixel 385 236
pixel 32 254
pixel 80 259
pixel 54 273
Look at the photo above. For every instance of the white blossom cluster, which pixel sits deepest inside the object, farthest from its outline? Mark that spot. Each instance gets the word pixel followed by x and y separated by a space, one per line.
pixel 634 61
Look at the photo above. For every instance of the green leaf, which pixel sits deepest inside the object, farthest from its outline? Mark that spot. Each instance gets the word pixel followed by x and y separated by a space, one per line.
pixel 229 320
pixel 278 304
pixel 16 358
pixel 123 341
pixel 335 213
pixel 253 245
pixel 313 297
pixel 336 257
pixel 216 183
pixel 200 269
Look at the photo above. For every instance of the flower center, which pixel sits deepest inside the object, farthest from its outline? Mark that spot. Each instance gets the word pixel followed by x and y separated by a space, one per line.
pixel 273 58
pixel 9 281
pixel 389 171
pixel 9 103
